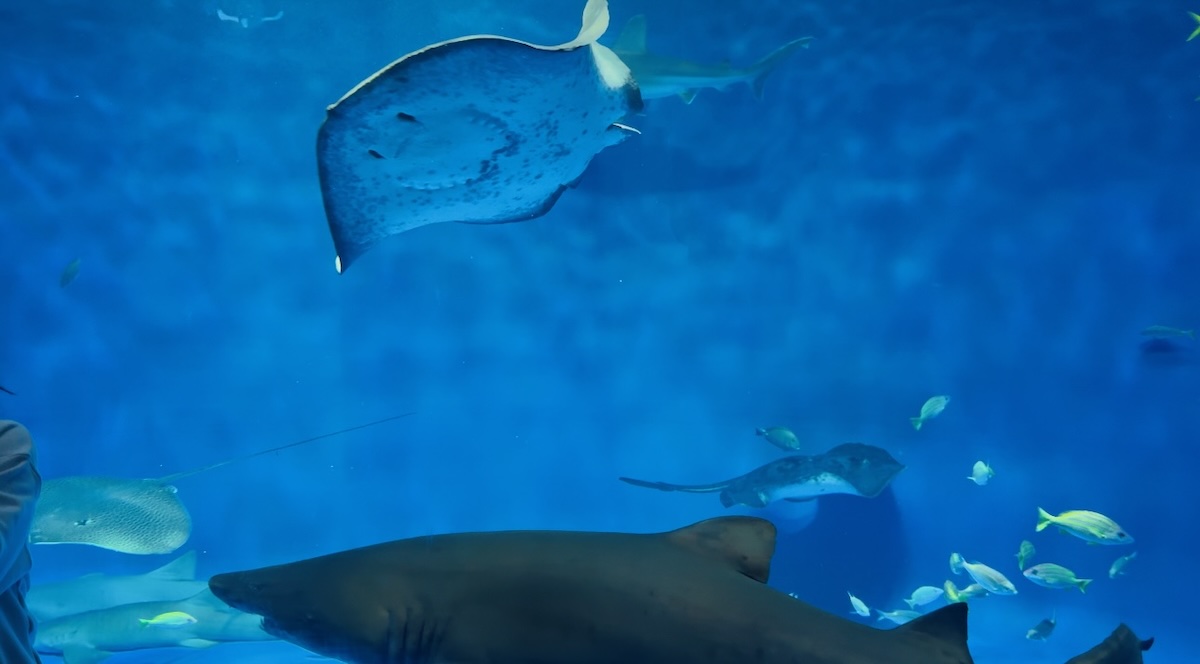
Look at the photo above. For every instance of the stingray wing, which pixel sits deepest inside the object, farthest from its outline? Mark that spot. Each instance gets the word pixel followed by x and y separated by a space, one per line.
pixel 481 129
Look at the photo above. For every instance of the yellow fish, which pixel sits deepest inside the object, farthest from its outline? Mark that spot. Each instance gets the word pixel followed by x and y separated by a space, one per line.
pixel 169 619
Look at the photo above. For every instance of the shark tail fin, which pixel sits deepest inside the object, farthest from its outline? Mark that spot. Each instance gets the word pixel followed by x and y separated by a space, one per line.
pixel 763 68
pixel 948 625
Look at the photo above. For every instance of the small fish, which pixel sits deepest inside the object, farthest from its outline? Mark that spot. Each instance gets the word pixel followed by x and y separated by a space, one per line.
pixel 1196 32
pixel 1042 630
pixel 780 437
pixel 169 619
pixel 69 273
pixel 1088 526
pixel 1049 575
pixel 932 408
pixel 1118 566
pixel 922 596
pixel 992 581
pixel 900 616
pixel 7 391
pixel 1167 330
pixel 1025 553
pixel 972 591
pixel 859 606
pixel 953 594
pixel 981 473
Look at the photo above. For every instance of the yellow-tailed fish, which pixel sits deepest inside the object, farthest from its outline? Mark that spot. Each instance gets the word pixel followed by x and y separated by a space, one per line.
pixel 932 408
pixel 1049 575
pixel 1196 18
pixel 1118 566
pixel 169 619
pixel 1042 630
pixel 1025 553
pixel 858 606
pixel 981 473
pixel 992 581
pixel 952 594
pixel 1088 526
pixel 69 273
pixel 780 437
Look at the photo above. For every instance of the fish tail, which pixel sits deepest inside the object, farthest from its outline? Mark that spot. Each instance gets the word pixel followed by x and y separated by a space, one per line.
pixel 916 422
pixel 1044 519
pixel 143 621
pixel 1083 584
pixel 763 68
pixel 1190 334
pixel 760 432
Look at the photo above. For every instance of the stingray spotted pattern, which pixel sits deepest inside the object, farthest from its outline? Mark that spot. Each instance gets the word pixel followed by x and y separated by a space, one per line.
pixel 129 516
pixel 480 129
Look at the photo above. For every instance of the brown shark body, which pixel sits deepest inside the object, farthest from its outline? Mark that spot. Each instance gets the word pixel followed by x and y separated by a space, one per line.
pixel 691 596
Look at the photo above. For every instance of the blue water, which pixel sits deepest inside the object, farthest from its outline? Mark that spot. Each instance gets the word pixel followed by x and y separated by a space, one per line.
pixel 985 200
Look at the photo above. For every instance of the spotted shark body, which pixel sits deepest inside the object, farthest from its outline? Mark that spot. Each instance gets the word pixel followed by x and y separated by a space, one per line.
pixel 851 468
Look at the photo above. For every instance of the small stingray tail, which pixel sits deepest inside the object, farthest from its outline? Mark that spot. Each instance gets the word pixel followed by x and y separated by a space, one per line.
pixel 1121 647
pixel 666 486
pixel 948 625
pixel 763 68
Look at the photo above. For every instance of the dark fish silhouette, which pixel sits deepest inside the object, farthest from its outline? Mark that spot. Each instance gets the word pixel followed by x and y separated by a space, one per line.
pixel 697 594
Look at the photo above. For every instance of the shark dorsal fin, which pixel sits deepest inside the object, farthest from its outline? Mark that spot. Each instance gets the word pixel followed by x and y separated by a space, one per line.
pixel 633 36
pixel 948 624
pixel 182 568
pixel 744 543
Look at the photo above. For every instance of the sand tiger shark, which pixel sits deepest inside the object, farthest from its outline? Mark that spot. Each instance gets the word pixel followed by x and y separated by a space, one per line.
pixel 851 468
pixel 658 76
pixel 696 595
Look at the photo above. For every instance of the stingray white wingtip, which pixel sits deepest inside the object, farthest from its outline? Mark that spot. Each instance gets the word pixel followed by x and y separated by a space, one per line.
pixel 337 264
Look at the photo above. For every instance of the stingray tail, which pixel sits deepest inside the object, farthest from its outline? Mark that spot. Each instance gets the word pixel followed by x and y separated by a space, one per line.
pixel 667 486
pixel 763 68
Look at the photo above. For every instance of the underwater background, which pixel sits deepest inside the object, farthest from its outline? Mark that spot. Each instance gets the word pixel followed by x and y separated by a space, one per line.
pixel 937 197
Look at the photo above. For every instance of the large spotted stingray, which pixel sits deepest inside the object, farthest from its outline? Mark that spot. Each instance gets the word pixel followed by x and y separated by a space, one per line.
pixel 480 129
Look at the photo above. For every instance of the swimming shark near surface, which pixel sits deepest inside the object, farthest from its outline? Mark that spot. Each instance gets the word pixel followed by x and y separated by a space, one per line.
pixel 93 636
pixel 696 594
pixel 658 76
pixel 174 581
pixel 850 468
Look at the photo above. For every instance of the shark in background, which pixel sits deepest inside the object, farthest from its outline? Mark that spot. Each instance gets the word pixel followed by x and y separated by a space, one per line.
pixel 660 76
pixel 93 636
pixel 172 582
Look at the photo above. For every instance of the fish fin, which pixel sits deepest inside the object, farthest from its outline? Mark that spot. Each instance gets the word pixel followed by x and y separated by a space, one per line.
pixel 1083 584
pixel 83 655
pixel 594 24
pixel 197 643
pixel 743 542
pixel 948 624
pixel 764 67
pixel 182 568
pixel 1044 519
pixel 688 96
pixel 633 36
pixel 916 422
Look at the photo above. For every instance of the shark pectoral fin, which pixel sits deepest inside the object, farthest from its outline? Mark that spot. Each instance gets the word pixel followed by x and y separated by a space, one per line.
pixel 83 655
pixel 633 36
pixel 198 643
pixel 688 96
pixel 947 624
pixel 744 543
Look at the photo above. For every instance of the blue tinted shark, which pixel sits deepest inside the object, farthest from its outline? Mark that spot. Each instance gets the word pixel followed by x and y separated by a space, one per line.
pixel 659 76
pixel 174 581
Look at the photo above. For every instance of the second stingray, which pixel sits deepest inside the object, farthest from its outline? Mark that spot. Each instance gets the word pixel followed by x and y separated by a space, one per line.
pixel 850 468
